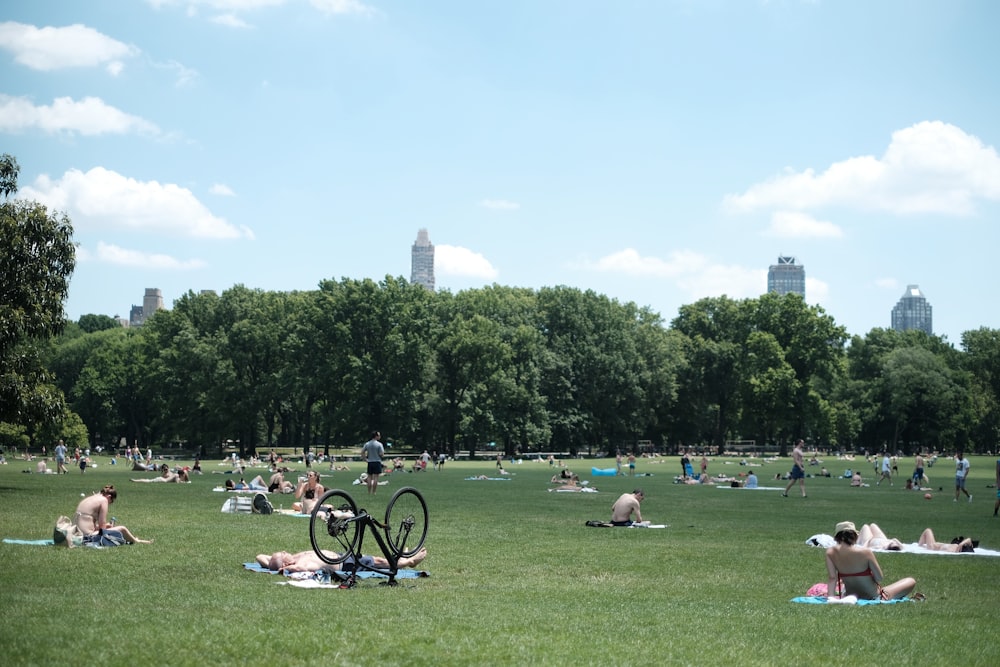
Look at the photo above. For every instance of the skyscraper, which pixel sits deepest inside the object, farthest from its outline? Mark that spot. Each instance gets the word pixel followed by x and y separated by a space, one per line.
pixel 787 276
pixel 912 312
pixel 152 301
pixel 422 261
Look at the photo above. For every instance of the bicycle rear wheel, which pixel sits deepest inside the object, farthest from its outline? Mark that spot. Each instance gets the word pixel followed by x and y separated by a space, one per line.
pixel 332 527
pixel 406 522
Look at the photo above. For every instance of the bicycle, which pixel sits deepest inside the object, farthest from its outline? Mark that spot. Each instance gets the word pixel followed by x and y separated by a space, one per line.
pixel 337 516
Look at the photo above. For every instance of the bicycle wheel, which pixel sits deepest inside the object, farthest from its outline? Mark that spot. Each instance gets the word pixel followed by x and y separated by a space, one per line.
pixel 406 522
pixel 332 518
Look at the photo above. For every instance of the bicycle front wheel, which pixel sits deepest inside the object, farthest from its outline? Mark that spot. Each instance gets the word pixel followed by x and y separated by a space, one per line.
pixel 333 530
pixel 406 522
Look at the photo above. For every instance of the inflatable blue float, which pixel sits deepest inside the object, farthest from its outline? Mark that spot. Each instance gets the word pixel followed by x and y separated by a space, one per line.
pixel 603 472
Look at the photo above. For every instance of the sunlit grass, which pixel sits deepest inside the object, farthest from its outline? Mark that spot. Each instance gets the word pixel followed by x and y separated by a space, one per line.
pixel 516 576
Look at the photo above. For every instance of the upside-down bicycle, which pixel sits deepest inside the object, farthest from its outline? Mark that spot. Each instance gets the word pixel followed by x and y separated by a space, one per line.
pixel 336 517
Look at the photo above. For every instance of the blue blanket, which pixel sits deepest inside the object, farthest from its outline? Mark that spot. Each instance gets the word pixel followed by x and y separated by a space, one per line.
pixel 811 599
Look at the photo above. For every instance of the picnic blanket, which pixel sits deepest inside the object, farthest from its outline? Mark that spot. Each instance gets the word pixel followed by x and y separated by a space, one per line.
pixel 608 524
pixel 487 479
pixel 8 540
pixel 577 489
pixel 826 541
pixel 848 600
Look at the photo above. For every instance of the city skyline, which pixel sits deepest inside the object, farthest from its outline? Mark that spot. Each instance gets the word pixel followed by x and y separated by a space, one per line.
pixel 653 153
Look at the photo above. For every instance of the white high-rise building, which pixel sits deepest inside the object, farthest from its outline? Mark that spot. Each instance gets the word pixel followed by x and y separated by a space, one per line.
pixel 422 261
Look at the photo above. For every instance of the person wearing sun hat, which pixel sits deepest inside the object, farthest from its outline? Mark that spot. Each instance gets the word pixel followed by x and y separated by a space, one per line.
pixel 854 570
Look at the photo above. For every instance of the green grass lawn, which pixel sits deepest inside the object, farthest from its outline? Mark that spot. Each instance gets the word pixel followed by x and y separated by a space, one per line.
pixel 516 577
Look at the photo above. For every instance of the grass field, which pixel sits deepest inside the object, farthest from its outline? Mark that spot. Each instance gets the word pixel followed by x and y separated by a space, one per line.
pixel 516 577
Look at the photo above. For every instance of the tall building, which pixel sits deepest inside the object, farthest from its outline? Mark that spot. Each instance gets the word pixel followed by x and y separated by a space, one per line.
pixel 152 301
pixel 422 261
pixel 787 276
pixel 912 312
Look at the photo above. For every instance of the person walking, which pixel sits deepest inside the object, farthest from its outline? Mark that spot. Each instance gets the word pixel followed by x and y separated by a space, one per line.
pixel 373 451
pixel 961 473
pixel 61 453
pixel 886 469
pixel 798 470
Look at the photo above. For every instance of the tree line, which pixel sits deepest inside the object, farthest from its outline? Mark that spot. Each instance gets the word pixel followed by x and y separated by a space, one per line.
pixel 553 369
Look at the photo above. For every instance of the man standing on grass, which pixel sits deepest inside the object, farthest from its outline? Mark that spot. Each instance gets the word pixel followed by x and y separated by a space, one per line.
pixel 373 451
pixel 798 470
pixel 961 473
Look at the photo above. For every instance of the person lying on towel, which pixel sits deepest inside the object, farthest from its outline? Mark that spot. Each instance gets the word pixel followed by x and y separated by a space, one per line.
pixel 308 561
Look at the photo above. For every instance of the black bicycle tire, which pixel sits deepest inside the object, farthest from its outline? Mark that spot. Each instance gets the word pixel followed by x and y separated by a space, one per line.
pixel 405 549
pixel 320 527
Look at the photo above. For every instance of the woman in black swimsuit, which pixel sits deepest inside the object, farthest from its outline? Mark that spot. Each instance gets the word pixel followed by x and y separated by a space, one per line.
pixel 308 493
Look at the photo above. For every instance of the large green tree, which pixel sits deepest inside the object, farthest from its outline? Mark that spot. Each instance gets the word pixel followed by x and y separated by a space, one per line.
pixel 37 258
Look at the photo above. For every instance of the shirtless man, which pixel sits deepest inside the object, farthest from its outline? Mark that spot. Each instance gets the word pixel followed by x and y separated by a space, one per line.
pixel 309 561
pixel 918 471
pixel 798 471
pixel 627 503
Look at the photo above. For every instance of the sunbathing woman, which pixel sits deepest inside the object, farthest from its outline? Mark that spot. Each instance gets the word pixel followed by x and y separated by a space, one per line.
pixel 963 545
pixel 871 536
pixel 166 475
pixel 854 570
pixel 91 518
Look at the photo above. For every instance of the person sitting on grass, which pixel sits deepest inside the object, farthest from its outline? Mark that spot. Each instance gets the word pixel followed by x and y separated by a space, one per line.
pixel 308 561
pixel 854 570
pixel 91 517
pixel 627 505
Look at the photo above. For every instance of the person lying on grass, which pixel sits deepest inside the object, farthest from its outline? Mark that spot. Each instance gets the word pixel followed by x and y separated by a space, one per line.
pixel 957 545
pixel 309 561
pixel 854 570
pixel 167 475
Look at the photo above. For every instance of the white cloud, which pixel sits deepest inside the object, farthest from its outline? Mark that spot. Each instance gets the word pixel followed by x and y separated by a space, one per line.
pixel 183 75
pixel 231 21
pixel 500 204
pixel 342 7
pixel 222 190
pixel 887 283
pixel 105 199
pixel 52 48
pixel 108 253
pixel 696 275
pixel 794 224
pixel 89 116
pixel 457 261
pixel 930 167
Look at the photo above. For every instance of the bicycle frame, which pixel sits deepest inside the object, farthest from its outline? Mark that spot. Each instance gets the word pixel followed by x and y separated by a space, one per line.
pixel 368 521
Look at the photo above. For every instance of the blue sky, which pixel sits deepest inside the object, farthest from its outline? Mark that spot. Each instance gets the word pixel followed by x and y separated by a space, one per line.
pixel 653 151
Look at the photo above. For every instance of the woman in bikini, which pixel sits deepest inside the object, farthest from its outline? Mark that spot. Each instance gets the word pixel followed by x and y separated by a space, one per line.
pixel 91 517
pixel 308 493
pixel 853 570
